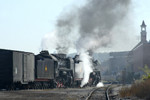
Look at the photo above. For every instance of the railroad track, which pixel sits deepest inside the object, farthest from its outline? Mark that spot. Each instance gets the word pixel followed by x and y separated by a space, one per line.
pixel 101 93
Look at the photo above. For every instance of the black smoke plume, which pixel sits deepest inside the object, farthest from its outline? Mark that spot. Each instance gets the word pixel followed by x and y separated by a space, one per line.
pixel 92 24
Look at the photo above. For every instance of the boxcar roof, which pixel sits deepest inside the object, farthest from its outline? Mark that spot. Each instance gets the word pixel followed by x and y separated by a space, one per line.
pixel 16 51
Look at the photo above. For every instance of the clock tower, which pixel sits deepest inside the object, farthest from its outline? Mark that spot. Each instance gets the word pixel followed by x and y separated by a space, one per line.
pixel 143 32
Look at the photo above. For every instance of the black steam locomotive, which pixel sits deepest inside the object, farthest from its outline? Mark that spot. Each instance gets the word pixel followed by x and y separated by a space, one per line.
pixel 24 70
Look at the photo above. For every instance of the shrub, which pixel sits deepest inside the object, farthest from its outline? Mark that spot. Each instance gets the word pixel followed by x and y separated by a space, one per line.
pixel 146 70
pixel 141 90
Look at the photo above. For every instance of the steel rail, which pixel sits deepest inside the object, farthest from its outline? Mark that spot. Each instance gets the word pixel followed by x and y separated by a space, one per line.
pixel 106 93
pixel 90 94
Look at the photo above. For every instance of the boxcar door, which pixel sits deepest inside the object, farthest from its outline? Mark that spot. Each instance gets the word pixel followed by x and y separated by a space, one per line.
pixel 17 67
pixel 24 67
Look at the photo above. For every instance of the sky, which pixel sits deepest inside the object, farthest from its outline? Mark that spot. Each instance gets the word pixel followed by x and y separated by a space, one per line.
pixel 23 23
pixel 141 12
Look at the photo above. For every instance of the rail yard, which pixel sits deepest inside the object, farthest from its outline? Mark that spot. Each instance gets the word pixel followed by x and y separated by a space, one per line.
pixel 87 93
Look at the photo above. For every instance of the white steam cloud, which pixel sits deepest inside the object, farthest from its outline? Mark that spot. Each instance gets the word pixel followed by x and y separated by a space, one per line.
pixel 87 66
pixel 49 42
pixel 100 84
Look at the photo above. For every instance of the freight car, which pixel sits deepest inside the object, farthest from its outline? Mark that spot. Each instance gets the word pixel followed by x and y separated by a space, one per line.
pixel 16 69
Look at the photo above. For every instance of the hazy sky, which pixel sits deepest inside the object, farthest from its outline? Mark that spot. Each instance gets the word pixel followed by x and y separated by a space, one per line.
pixel 23 23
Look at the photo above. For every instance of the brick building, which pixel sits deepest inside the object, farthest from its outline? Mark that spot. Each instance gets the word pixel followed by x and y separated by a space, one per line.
pixel 139 56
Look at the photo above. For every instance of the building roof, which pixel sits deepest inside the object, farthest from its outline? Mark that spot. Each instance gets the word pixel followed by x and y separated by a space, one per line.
pixel 137 46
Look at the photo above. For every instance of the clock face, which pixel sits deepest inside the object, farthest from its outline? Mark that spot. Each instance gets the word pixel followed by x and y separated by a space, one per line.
pixel 143 29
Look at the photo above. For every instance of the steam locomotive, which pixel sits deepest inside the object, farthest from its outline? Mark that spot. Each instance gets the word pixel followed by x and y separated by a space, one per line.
pixel 24 70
